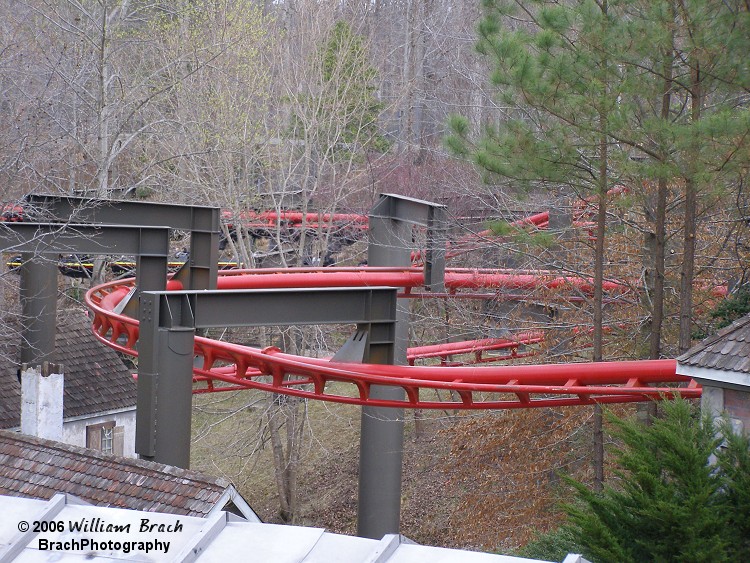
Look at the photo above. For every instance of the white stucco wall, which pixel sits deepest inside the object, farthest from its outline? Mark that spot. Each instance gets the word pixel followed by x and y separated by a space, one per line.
pixel 41 407
pixel 74 430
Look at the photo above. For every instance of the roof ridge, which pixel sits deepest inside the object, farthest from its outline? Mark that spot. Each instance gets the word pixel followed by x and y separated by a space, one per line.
pixel 152 466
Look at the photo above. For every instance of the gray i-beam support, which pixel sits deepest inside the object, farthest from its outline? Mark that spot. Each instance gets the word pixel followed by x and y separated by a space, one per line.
pixel 382 428
pixel 167 331
pixel 39 272
pixel 38 308
pixel 149 244
pixel 202 222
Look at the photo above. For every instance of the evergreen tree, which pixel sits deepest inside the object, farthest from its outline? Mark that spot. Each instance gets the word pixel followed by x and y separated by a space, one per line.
pixel 339 115
pixel 559 72
pixel 348 87
pixel 735 306
pixel 640 92
pixel 669 502
pixel 606 92
pixel 734 460
pixel 666 506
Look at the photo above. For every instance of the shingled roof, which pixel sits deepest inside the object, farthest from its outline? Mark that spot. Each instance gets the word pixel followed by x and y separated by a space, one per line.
pixel 96 380
pixel 35 468
pixel 727 350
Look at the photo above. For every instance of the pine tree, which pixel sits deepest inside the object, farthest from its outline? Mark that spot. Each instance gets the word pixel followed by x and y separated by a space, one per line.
pixel 340 113
pixel 559 72
pixel 637 92
pixel 669 502
pixel 734 460
pixel 348 87
pixel 600 93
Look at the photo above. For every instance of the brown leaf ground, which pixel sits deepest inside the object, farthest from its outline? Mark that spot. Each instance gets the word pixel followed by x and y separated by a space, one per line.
pixel 472 481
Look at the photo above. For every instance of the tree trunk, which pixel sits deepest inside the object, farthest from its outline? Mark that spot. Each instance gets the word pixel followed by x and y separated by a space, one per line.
pixel 598 437
pixel 405 121
pixel 286 414
pixel 419 100
pixel 657 317
pixel 691 205
pixel 102 132
pixel 660 234
pixel 279 459
pixel 601 226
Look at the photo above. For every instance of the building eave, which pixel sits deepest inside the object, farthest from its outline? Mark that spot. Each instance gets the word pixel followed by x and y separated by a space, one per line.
pixel 716 377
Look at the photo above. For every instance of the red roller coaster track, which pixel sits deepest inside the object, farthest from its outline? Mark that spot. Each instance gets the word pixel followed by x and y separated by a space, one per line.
pixel 228 366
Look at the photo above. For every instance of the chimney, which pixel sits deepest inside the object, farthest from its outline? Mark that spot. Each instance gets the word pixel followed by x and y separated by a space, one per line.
pixel 42 401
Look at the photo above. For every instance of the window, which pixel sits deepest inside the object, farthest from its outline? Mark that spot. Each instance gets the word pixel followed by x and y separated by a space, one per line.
pixel 105 437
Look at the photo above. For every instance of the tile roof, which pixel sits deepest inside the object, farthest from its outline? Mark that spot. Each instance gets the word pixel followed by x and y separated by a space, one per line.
pixel 96 380
pixel 35 468
pixel 728 349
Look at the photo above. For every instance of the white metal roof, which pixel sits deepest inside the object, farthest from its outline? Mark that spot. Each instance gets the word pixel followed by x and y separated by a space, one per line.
pixel 219 538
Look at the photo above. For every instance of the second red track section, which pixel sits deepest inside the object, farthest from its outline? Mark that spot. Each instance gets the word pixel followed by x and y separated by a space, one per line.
pixel 227 366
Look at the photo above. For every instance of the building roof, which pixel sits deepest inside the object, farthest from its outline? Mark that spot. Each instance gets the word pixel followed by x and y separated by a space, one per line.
pixel 37 468
pixel 722 360
pixel 728 349
pixel 96 380
pixel 215 539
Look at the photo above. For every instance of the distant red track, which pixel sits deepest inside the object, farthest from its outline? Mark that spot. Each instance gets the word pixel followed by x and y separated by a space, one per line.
pixel 228 366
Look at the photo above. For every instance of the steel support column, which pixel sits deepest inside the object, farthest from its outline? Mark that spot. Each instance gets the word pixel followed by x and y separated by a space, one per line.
pixel 167 330
pixel 38 309
pixel 151 243
pixel 382 429
pixel 202 223
pixel 168 395
pixel 39 273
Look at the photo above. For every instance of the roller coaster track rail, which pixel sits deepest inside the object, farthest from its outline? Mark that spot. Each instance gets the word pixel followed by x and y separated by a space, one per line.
pixel 227 366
